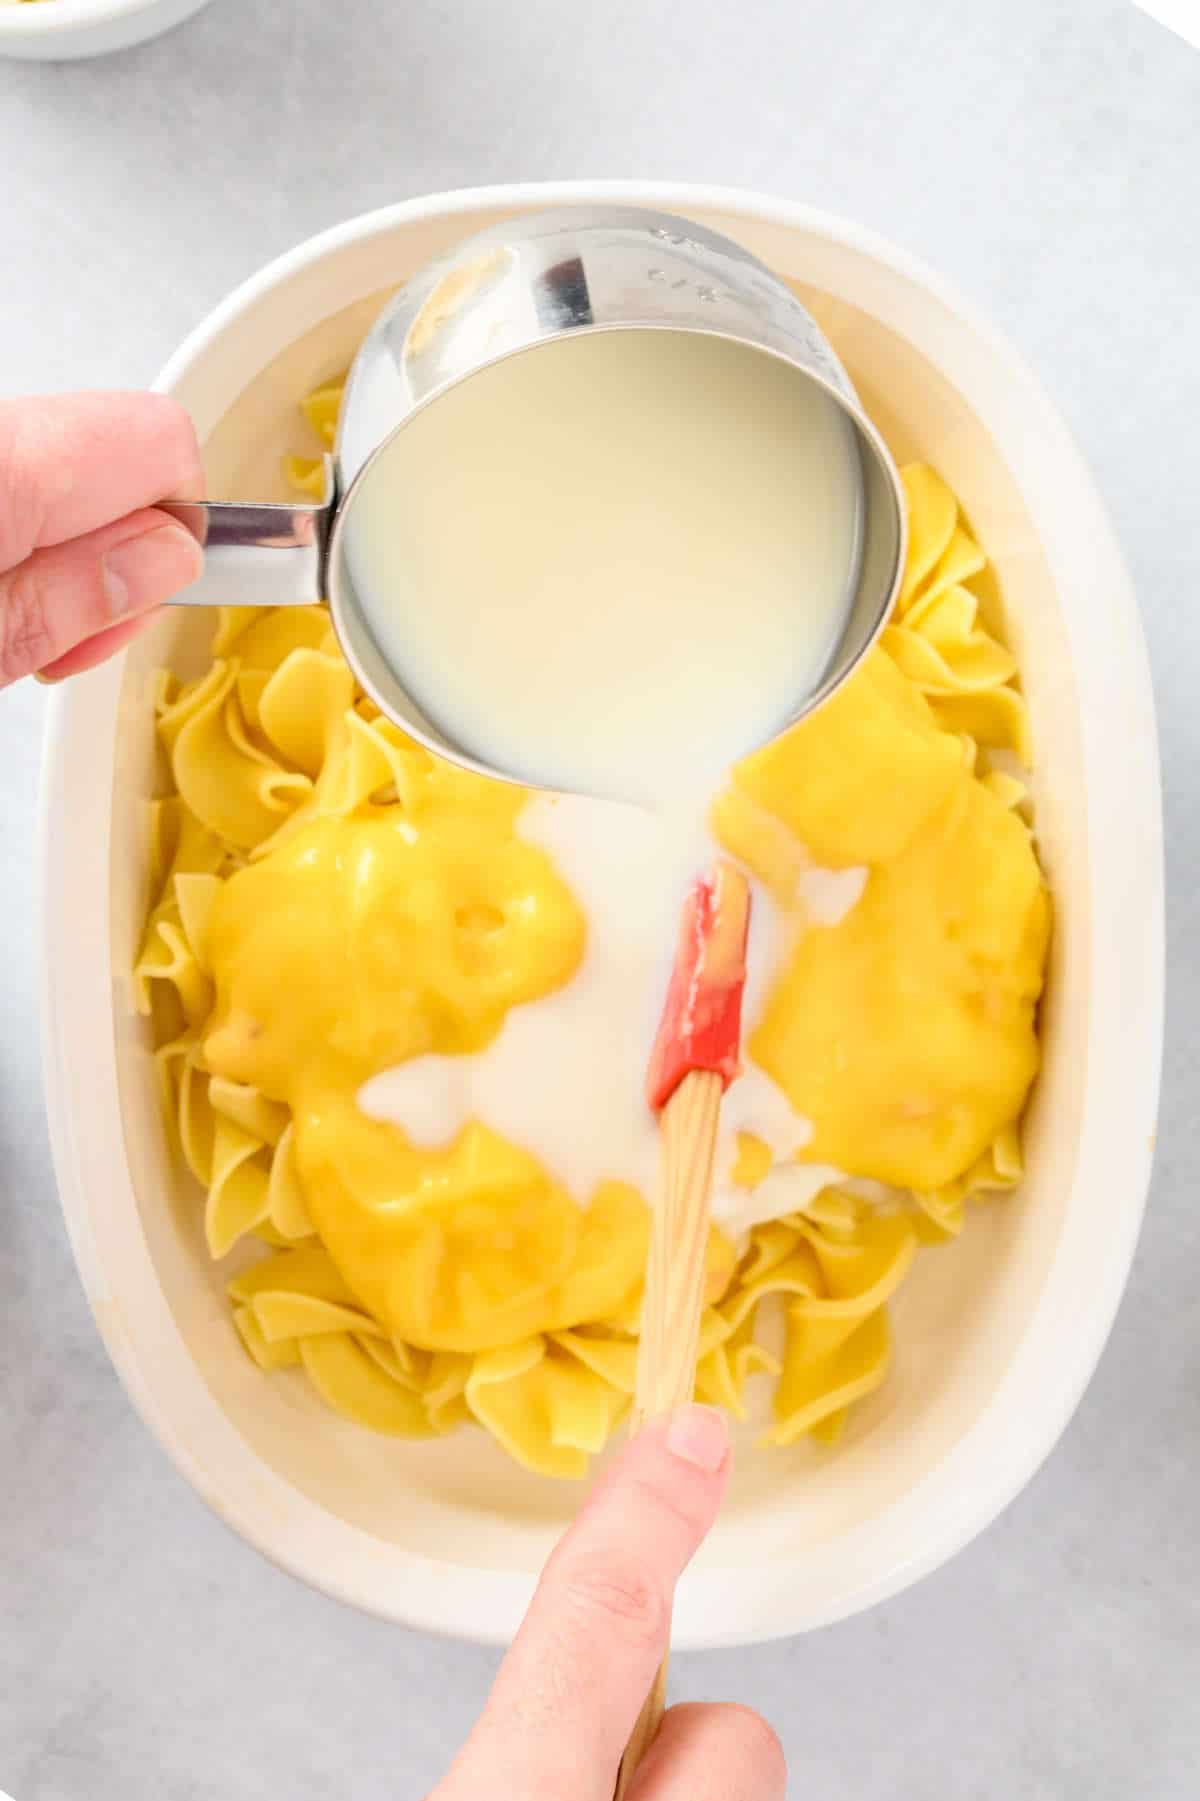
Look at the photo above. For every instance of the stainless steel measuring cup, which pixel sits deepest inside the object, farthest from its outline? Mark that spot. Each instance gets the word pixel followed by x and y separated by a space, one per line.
pixel 504 293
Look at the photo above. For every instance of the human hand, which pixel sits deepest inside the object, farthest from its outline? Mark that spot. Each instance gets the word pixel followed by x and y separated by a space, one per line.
pixel 85 555
pixel 568 1692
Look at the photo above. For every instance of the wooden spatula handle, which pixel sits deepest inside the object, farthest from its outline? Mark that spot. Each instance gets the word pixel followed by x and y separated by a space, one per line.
pixel 666 1370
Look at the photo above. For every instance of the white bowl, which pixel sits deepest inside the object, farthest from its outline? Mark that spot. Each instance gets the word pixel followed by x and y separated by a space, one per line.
pixel 996 1335
pixel 66 30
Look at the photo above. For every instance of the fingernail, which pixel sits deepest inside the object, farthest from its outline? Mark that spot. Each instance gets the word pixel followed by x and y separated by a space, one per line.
pixel 699 1435
pixel 47 681
pixel 142 572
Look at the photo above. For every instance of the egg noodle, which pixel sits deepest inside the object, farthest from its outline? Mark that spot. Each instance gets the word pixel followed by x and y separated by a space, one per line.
pixel 332 900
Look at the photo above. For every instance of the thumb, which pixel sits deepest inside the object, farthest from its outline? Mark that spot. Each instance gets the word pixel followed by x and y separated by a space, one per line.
pixel 570 1689
pixel 67 595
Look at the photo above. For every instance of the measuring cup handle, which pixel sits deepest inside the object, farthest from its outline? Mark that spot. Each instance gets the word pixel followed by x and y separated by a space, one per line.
pixel 257 553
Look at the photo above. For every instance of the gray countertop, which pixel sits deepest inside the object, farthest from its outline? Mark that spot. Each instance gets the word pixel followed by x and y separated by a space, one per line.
pixel 1046 155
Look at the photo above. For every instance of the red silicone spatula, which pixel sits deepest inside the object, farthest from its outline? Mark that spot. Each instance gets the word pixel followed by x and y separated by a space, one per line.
pixel 695 1058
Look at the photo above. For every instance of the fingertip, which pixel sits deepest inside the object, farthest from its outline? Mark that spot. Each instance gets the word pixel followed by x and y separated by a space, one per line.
pixel 96 650
pixel 759 1743
pixel 176 445
pixel 682 1459
pixel 154 560
pixel 699 1436
pixel 713 1751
